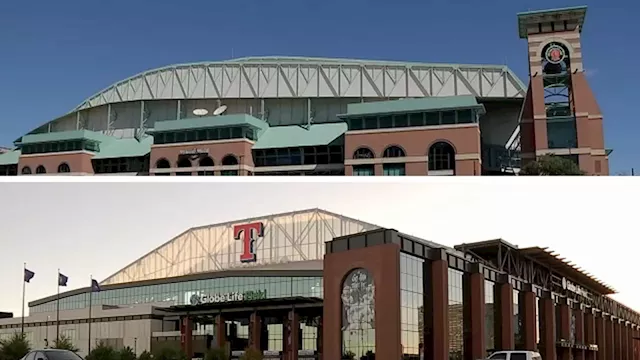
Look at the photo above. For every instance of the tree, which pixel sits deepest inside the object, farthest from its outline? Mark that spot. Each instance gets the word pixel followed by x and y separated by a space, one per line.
pixel 127 353
pixel 102 351
pixel 64 343
pixel 252 354
pixel 551 165
pixel 14 348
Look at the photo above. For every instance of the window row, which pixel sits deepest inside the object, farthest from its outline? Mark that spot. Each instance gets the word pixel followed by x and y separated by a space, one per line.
pixel 60 146
pixel 179 293
pixel 62 168
pixel 306 155
pixel 212 134
pixel 442 156
pixel 201 161
pixel 452 117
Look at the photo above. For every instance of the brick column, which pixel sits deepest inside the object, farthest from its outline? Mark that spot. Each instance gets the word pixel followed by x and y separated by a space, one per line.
pixel 186 336
pixel 221 331
pixel 292 332
pixel 436 300
pixel 503 327
pixel 579 354
pixel 611 345
pixel 589 333
pixel 617 338
pixel 564 329
pixel 547 327
pixel 601 336
pixel 634 343
pixel 474 313
pixel 626 354
pixel 255 330
pixel 527 304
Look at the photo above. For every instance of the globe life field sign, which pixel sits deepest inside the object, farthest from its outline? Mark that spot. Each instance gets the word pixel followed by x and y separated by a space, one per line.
pixel 198 299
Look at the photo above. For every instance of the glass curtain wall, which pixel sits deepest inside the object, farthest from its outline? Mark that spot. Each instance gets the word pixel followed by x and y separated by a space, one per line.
pixel 490 313
pixel 456 325
pixel 411 304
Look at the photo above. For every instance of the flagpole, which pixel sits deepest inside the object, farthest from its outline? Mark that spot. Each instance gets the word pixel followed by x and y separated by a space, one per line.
pixel 58 310
pixel 24 287
pixel 90 298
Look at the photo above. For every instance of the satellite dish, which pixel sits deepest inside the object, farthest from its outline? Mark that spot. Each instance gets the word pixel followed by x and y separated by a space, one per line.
pixel 220 110
pixel 200 112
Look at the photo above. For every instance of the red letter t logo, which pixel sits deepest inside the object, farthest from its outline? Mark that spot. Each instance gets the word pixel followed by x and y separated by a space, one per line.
pixel 248 233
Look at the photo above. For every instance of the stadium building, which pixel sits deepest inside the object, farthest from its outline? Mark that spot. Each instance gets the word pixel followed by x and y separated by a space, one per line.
pixel 316 116
pixel 317 285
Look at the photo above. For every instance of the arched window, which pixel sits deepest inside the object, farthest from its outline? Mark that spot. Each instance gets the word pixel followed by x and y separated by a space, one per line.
pixel 363 169
pixel 184 162
pixel 442 157
pixel 363 153
pixel 229 160
pixel 206 161
pixel 64 168
pixel 163 164
pixel 395 168
pixel 358 314
pixel 41 170
pixel 26 170
pixel 393 152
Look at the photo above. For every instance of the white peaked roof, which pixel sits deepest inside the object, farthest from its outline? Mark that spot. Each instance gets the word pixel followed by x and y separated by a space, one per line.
pixel 288 237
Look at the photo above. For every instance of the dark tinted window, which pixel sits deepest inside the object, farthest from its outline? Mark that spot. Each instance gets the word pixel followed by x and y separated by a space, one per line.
pixel 61 355
pixel 519 356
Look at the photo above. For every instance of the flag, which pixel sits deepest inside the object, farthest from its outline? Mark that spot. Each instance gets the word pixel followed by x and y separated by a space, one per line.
pixel 28 275
pixel 95 287
pixel 62 280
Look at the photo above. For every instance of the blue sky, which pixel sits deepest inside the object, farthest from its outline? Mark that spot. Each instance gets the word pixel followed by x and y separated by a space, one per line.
pixel 54 54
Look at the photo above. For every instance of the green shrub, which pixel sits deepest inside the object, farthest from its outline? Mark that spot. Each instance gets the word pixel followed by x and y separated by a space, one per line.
pixel 169 353
pixel 103 351
pixel 127 353
pixel 252 354
pixel 64 343
pixel 217 354
pixel 14 348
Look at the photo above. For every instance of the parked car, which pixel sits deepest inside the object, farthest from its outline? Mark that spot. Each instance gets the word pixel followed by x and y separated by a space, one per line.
pixel 513 355
pixel 52 354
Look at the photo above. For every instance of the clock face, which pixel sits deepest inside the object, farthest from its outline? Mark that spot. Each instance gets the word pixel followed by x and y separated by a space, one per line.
pixel 555 54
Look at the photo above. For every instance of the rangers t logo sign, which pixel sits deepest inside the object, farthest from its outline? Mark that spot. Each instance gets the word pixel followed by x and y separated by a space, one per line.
pixel 248 233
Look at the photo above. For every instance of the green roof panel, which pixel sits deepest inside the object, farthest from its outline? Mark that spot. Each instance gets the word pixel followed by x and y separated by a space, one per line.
pixel 122 148
pixel 64 136
pixel 209 122
pixel 298 136
pixel 10 157
pixel 413 105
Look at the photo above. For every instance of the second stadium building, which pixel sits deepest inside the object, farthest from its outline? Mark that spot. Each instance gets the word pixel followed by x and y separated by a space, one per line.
pixel 317 285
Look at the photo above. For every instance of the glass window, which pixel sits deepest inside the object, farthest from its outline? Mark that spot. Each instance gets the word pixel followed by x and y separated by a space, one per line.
pixel 500 356
pixel 394 169
pixel 517 321
pixel 62 355
pixel 356 124
pixel 490 315
pixel 433 118
pixel 456 325
pixel 561 133
pixel 358 315
pixel 448 117
pixel 411 303
pixel 370 123
pixel 401 120
pixel 518 356
pixel 416 119
pixel 465 116
pixel 386 122
pixel 363 170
